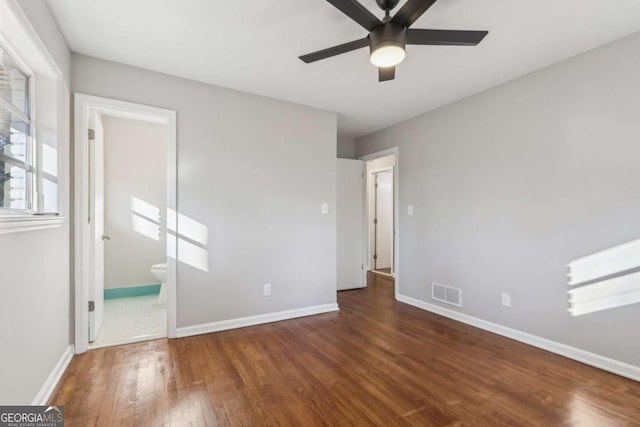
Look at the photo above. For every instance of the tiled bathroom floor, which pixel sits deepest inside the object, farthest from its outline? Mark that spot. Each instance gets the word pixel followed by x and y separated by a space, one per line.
pixel 131 317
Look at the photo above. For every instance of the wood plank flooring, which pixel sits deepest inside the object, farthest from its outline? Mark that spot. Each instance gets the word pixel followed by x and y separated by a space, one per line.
pixel 376 362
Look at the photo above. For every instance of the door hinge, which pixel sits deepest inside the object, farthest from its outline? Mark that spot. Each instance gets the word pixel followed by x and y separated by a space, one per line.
pixel 92 306
pixel 92 134
pixel 361 266
pixel 375 256
pixel 375 221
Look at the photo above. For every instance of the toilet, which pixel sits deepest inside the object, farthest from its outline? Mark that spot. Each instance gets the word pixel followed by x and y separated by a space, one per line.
pixel 159 271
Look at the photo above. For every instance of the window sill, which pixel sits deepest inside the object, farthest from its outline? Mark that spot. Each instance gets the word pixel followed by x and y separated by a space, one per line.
pixel 19 223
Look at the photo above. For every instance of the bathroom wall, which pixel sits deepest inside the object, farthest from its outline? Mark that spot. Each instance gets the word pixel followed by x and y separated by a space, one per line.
pixel 135 165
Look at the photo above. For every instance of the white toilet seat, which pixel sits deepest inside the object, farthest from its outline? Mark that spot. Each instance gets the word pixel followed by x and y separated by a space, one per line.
pixel 160 272
pixel 162 266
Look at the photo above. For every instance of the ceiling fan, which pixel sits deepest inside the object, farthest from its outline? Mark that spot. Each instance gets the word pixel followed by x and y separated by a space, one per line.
pixel 388 37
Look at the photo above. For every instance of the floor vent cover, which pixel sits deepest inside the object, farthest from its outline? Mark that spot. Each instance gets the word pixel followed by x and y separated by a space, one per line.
pixel 446 294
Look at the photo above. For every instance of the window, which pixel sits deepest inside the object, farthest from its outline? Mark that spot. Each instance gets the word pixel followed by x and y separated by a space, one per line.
pixel 34 128
pixel 16 147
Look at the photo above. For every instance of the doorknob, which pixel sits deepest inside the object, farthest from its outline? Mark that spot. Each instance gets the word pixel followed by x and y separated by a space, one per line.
pixel 106 237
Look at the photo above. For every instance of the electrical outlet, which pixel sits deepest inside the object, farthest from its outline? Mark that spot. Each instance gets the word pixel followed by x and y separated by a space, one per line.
pixel 324 208
pixel 410 210
pixel 505 298
pixel 267 289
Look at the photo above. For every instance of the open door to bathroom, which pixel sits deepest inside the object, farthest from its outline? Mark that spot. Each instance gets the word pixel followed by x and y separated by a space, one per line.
pixel 125 187
pixel 96 224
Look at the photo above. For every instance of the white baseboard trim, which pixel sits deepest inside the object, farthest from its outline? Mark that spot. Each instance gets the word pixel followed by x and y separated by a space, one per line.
pixel 54 377
pixel 242 322
pixel 588 358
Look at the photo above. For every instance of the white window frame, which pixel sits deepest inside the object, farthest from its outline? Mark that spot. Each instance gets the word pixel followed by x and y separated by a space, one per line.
pixel 32 155
pixel 18 36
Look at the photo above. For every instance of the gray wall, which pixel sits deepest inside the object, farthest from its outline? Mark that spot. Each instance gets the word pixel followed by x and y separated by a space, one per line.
pixel 513 183
pixel 255 171
pixel 135 165
pixel 346 148
pixel 47 28
pixel 34 266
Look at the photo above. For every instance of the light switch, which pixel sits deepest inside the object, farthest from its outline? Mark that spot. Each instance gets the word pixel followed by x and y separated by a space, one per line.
pixel 325 208
pixel 410 210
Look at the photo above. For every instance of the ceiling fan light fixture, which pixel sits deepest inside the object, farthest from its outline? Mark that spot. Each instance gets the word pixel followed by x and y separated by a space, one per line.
pixel 386 43
pixel 388 36
pixel 387 56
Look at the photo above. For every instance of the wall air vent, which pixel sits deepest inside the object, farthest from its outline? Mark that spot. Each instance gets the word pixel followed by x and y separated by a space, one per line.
pixel 446 294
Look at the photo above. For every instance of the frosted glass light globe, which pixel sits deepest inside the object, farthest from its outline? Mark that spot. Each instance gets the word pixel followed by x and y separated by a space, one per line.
pixel 387 56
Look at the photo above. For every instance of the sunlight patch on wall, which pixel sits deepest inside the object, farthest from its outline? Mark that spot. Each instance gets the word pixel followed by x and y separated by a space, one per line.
pixel 187 238
pixel 189 228
pixel 50 178
pixel 144 209
pixel 145 227
pixel 188 253
pixel 49 160
pixel 189 243
pixel 605 280
pixel 145 218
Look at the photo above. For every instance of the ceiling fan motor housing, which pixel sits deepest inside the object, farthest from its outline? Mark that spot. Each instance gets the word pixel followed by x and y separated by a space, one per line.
pixel 387 4
pixel 389 34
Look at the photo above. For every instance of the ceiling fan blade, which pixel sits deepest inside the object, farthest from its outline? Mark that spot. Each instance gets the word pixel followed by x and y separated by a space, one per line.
pixel 386 73
pixel 411 11
pixel 357 12
pixel 445 37
pixel 335 50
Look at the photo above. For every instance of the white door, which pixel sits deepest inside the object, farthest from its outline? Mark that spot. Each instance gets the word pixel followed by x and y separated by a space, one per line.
pixel 96 225
pixel 350 223
pixel 384 217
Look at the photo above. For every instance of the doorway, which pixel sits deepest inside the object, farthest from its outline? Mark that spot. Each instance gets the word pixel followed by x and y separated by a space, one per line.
pixel 127 160
pixel 382 247
pixel 381 217
pixel 125 193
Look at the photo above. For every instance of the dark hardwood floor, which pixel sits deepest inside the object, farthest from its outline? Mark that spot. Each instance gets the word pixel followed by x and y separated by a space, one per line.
pixel 376 362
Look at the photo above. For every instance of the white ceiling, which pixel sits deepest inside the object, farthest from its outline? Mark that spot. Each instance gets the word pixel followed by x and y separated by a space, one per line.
pixel 253 46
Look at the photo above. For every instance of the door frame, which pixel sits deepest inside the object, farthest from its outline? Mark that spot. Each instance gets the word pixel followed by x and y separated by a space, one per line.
pixel 83 106
pixel 396 215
